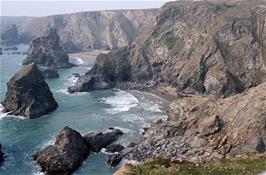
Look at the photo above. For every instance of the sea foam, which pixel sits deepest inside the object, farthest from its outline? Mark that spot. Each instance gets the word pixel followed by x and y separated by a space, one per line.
pixel 122 101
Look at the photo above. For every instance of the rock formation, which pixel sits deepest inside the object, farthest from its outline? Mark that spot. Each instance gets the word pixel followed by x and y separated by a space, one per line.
pixel 50 73
pixel 9 35
pixel 200 48
pixel 46 51
pixel 109 69
pixel 28 94
pixel 70 149
pixel 100 140
pixel 86 30
pixel 66 155
pixel 200 128
pixel 1 155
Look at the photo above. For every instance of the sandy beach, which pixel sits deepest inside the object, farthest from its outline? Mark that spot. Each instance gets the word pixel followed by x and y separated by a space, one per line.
pixel 85 58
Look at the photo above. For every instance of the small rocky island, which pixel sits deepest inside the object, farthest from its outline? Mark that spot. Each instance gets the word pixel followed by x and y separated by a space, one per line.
pixel 70 149
pixel 46 51
pixel 28 94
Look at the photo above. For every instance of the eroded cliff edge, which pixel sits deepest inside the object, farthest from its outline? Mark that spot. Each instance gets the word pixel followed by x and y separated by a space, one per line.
pixel 199 48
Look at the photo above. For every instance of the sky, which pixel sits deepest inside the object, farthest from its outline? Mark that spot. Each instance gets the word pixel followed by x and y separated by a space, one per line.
pixel 45 8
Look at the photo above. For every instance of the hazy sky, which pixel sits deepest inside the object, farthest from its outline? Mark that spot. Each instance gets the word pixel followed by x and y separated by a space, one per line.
pixel 44 8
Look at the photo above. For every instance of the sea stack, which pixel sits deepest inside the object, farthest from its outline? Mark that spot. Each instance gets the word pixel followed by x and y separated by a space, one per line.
pixel 28 94
pixel 46 51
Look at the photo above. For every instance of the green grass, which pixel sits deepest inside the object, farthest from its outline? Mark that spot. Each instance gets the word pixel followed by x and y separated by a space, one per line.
pixel 173 42
pixel 226 10
pixel 237 166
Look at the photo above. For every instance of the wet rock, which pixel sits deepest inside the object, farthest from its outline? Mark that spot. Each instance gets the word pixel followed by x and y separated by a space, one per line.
pixel 97 141
pixel 114 160
pixel 66 155
pixel 28 94
pixel 11 48
pixel 114 148
pixel 77 75
pixel 46 51
pixel 109 70
pixel 1 155
pixel 50 73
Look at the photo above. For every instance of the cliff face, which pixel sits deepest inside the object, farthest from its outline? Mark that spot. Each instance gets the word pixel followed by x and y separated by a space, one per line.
pixel 9 35
pixel 87 30
pixel 203 47
pixel 201 128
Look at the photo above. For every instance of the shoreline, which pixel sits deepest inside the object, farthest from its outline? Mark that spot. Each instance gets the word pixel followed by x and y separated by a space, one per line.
pixel 86 58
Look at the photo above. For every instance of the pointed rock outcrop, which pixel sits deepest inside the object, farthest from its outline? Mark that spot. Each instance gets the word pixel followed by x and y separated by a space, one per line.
pixel 66 155
pixel 28 94
pixel 46 51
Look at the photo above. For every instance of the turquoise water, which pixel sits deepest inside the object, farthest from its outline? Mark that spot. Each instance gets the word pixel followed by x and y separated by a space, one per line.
pixel 85 112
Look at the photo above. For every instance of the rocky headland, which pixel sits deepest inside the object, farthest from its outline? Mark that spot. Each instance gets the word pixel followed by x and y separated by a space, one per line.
pixel 213 54
pixel 198 48
pixel 46 51
pixel 28 94
pixel 109 29
pixel 70 149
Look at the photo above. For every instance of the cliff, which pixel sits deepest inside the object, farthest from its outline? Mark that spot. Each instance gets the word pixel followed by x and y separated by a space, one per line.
pixel 86 30
pixel 202 48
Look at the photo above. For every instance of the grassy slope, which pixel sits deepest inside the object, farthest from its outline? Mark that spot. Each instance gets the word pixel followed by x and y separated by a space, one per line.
pixel 237 166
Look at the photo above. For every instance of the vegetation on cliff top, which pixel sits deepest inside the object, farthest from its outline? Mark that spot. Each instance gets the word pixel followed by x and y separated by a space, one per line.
pixel 236 166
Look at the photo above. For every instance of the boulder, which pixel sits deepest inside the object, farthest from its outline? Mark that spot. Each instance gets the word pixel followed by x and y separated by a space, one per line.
pixel 46 51
pixel 66 155
pixel 97 141
pixel 114 159
pixel 1 155
pixel 50 73
pixel 114 148
pixel 28 94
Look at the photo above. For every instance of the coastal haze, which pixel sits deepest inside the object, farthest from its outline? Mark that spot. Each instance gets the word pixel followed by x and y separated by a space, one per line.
pixel 98 87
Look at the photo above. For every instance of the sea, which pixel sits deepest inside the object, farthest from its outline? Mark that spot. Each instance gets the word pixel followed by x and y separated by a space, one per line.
pixel 22 137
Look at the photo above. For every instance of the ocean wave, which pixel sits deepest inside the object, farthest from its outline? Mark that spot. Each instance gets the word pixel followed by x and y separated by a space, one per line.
pixel 77 60
pixel 122 101
pixel 4 115
pixel 47 143
pixel 153 107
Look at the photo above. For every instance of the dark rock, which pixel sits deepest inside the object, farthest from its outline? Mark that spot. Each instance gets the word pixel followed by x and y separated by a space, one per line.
pixel 114 148
pixel 28 94
pixel 9 36
pixel 1 155
pixel 66 155
pixel 11 48
pixel 50 73
pixel 46 51
pixel 97 141
pixel 114 160
pixel 109 69
pixel 77 75
pixel 16 53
